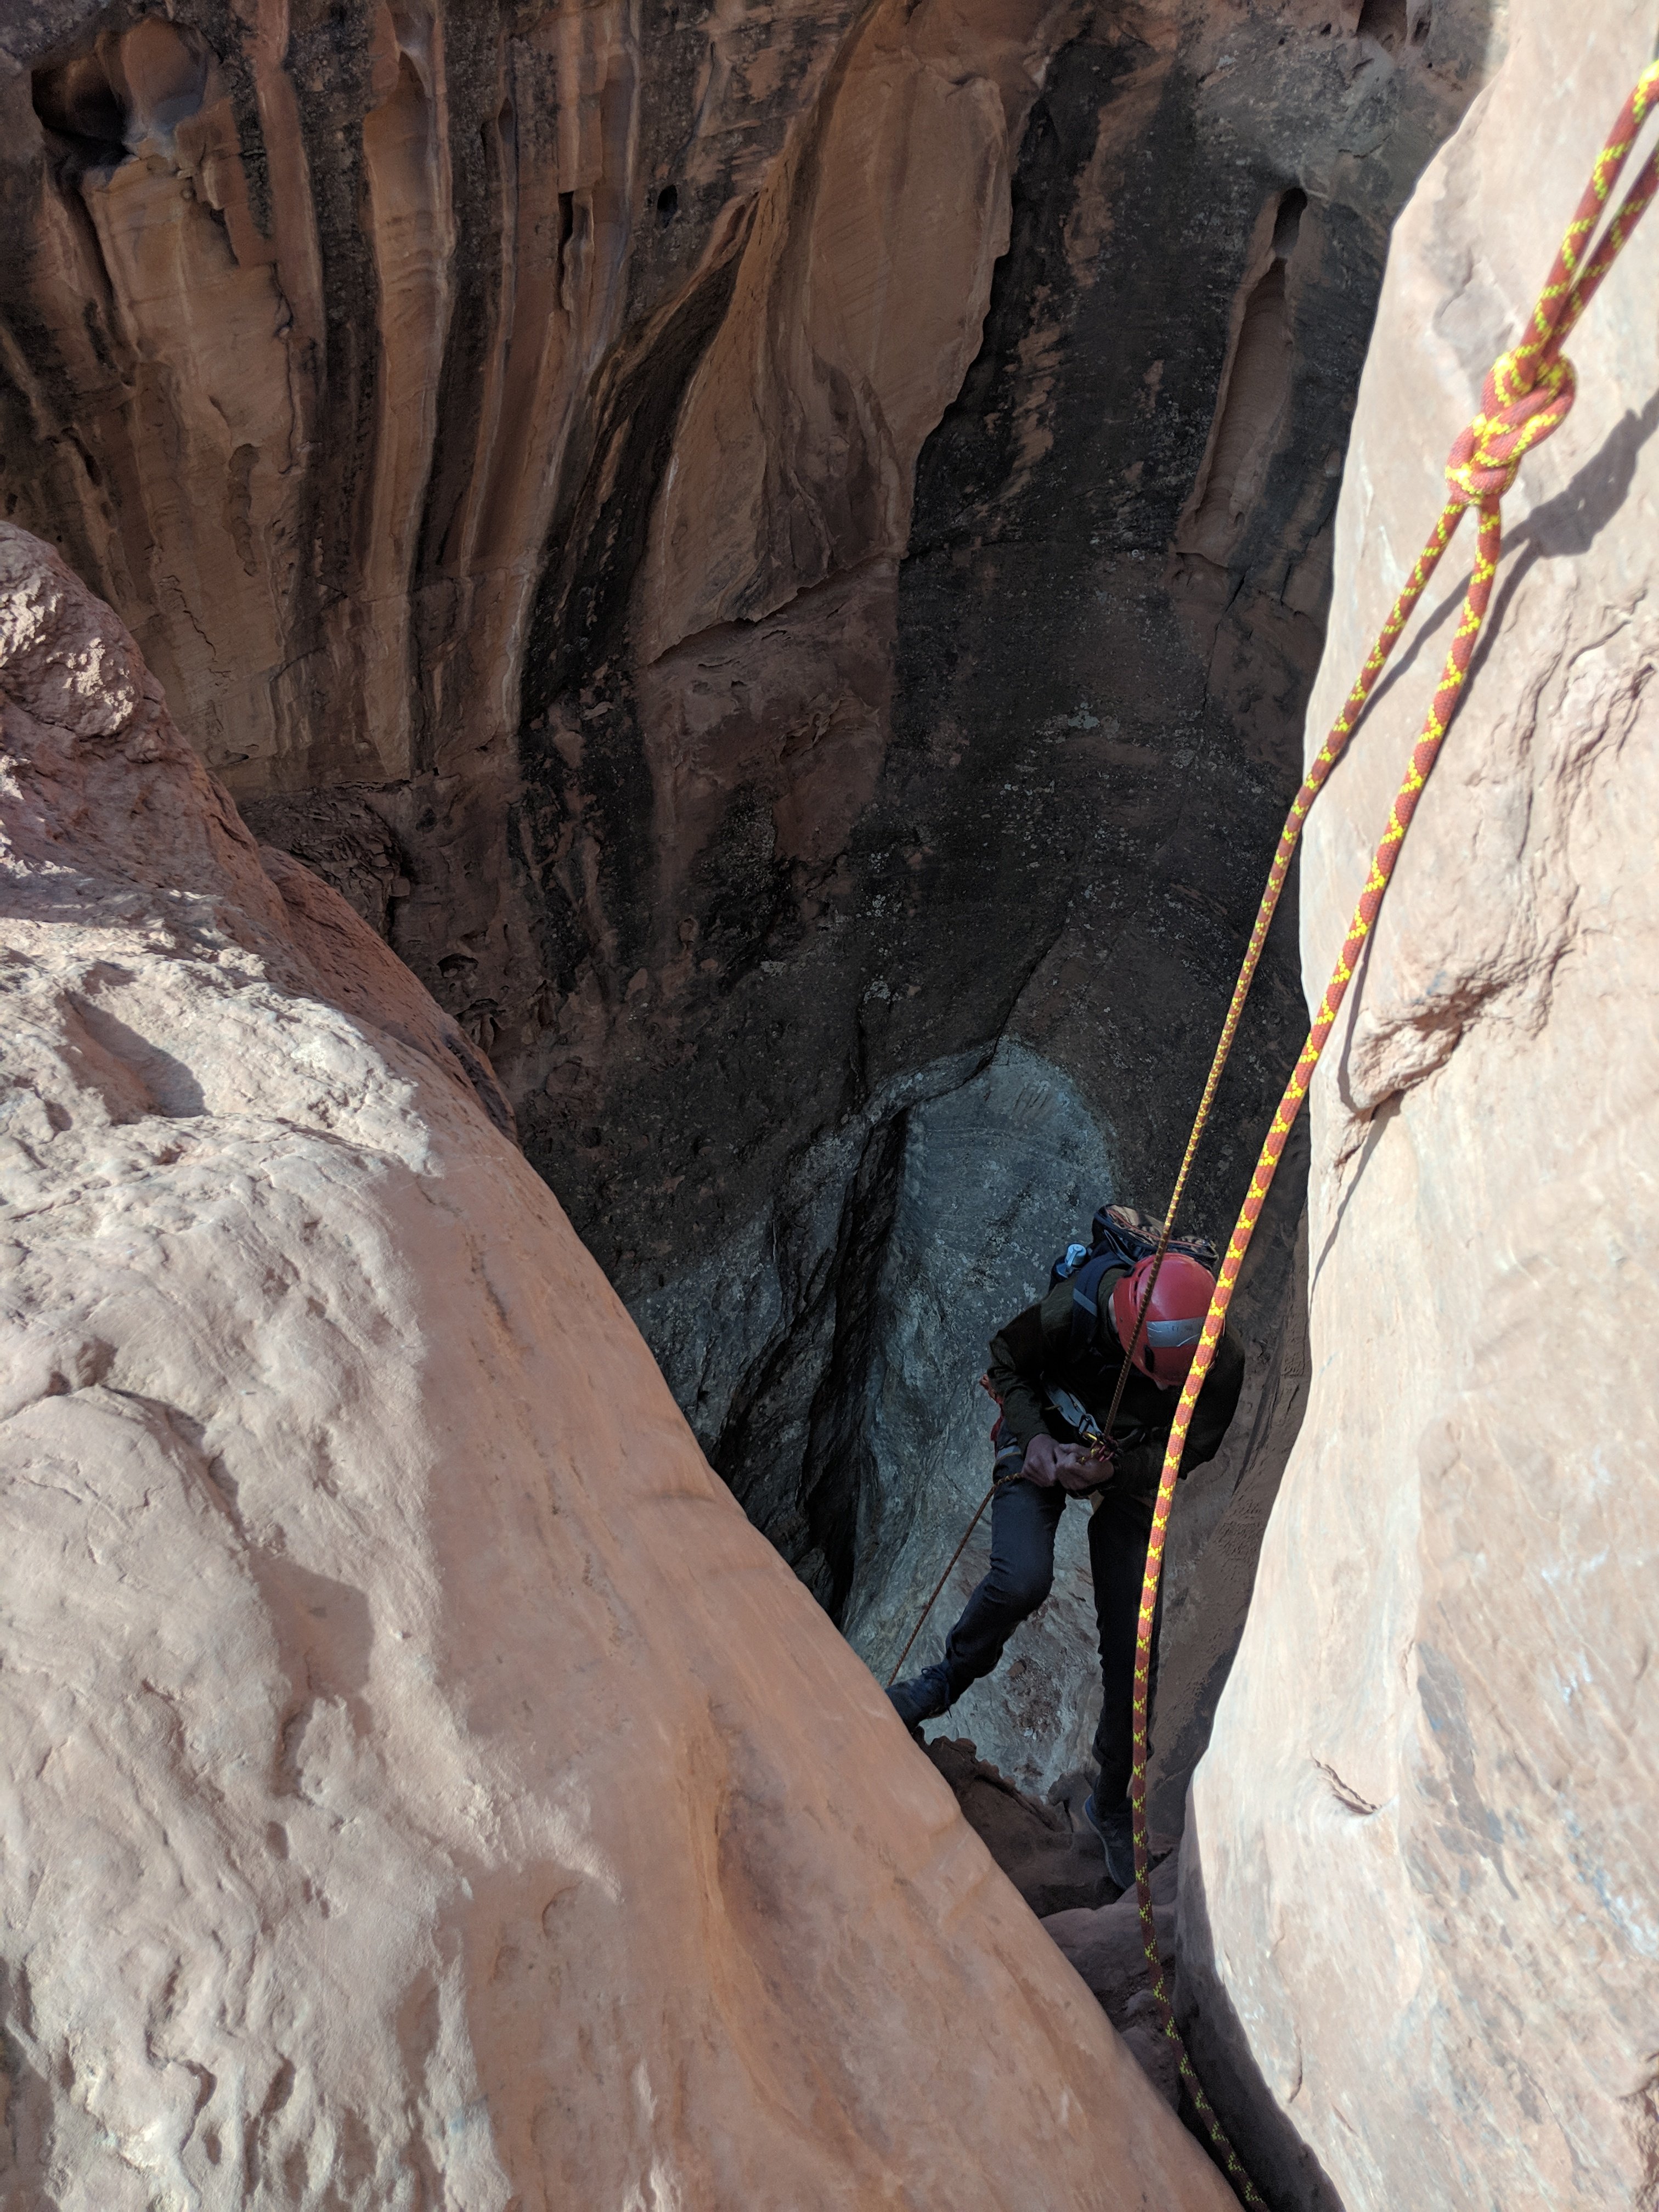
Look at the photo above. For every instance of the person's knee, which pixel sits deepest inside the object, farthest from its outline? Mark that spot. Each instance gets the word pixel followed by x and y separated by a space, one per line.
pixel 1022 1584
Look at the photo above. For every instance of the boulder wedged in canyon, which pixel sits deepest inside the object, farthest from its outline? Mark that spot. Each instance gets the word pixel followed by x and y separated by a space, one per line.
pixel 1419 1893
pixel 1049 1851
pixel 1107 1944
pixel 775 553
pixel 421 1782
pixel 1054 1858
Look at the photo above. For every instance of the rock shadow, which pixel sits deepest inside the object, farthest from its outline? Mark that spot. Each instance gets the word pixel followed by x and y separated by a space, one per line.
pixel 170 1087
pixel 1563 528
pixel 1566 527
pixel 26 2102
pixel 1283 2167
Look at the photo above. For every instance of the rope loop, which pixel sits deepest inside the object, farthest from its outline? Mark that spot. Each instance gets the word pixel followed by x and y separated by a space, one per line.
pixel 1525 399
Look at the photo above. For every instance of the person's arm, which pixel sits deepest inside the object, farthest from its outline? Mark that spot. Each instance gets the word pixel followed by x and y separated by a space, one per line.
pixel 1016 1375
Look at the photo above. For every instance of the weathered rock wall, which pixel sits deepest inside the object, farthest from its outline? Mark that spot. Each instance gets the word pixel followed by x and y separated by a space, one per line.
pixel 447 403
pixel 1418 1890
pixel 420 1782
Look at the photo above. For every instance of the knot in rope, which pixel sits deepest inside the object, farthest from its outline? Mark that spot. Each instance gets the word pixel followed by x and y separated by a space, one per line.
pixel 1526 397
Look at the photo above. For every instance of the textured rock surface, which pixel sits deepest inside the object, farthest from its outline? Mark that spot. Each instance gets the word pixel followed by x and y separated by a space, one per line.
pixel 535 725
pixel 1418 1885
pixel 420 1784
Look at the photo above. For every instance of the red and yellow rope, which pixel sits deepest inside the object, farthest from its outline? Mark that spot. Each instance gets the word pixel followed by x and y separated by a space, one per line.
pixel 1527 396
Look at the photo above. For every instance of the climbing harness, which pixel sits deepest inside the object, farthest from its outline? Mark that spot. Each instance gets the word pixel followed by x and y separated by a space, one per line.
pixel 1525 397
pixel 1097 1435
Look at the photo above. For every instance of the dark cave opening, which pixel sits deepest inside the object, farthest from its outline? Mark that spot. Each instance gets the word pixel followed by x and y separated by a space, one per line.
pixel 80 108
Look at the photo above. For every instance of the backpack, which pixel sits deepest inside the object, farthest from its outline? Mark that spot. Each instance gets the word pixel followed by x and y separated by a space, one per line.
pixel 1119 1238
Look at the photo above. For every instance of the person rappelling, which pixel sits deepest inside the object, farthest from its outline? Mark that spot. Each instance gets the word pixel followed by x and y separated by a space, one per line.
pixel 1058 1371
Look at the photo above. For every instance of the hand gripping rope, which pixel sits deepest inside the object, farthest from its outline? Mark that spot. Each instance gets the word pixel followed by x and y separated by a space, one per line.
pixel 1527 396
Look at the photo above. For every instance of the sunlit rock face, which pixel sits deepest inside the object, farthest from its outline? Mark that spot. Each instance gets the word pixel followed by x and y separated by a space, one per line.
pixel 777 557
pixel 1419 1892
pixel 421 1782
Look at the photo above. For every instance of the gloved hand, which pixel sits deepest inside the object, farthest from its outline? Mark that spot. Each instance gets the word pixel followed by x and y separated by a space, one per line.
pixel 1043 1457
pixel 1087 1470
pixel 1049 1461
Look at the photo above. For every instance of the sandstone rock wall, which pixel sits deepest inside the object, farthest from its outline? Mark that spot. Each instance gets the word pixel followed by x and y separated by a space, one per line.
pixel 319 319
pixel 1418 1897
pixel 420 1784
pixel 425 390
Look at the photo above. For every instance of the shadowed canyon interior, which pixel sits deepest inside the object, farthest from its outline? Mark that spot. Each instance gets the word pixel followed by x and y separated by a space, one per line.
pixel 778 558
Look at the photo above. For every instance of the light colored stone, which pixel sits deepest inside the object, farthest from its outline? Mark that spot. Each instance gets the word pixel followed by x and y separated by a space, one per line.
pixel 420 1783
pixel 1420 1880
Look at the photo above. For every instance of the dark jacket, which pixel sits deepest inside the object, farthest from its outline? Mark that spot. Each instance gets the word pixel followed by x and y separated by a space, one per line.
pixel 1033 1354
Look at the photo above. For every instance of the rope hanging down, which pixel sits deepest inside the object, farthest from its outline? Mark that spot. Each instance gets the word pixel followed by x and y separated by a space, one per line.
pixel 1527 396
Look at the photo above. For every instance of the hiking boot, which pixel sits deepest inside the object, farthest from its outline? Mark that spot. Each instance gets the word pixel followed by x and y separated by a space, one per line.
pixel 924 1697
pixel 1117 1831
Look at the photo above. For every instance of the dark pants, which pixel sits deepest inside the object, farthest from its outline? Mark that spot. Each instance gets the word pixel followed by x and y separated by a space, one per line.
pixel 1024 1519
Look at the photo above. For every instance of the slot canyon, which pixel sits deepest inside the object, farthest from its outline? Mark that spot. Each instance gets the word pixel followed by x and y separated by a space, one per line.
pixel 651 656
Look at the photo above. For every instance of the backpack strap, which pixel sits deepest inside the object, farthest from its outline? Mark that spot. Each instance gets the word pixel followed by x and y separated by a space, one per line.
pixel 1122 1240
pixel 1085 1298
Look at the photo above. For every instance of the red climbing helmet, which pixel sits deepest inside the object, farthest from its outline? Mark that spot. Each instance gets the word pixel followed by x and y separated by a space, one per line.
pixel 1175 1320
